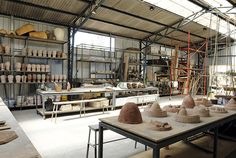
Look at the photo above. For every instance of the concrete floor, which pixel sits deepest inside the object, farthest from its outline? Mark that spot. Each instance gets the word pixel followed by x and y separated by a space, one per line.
pixel 68 137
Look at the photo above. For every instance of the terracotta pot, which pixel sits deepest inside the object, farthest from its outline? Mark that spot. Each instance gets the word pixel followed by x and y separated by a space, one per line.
pixel 3 78
pixel 47 68
pixel 56 78
pixel 23 78
pixel 44 53
pixel 23 67
pixel 29 66
pixel 7 65
pixel 29 52
pixel 43 78
pixel 49 53
pixel 18 78
pixel 52 78
pixel 7 49
pixel 43 68
pixel 35 52
pixel 18 66
pixel 34 77
pixel 2 66
pixel 29 77
pixel 54 54
pixel 39 77
pixel 38 68
pixel 40 53
pixel 59 34
pixel 33 67
pixel 24 51
pixel 10 78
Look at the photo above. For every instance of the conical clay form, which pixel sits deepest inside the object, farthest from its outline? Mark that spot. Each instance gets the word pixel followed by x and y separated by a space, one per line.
pixel 184 117
pixel 130 114
pixel 203 101
pixel 201 110
pixel 171 108
pixel 231 105
pixel 188 102
pixel 155 111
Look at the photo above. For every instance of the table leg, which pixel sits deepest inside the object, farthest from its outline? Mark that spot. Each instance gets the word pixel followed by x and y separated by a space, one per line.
pixel 113 100
pixel 100 141
pixel 156 153
pixel 215 142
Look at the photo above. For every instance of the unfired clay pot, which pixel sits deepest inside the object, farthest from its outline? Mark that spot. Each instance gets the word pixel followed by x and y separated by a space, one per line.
pixel 56 78
pixel 47 68
pixel 18 66
pixel 30 52
pixel 34 77
pixel 59 34
pixel 38 68
pixel 49 53
pixel 23 78
pixel 44 53
pixel 40 53
pixel 188 102
pixel 130 114
pixel 7 49
pixel 43 78
pixel 23 67
pixel 47 78
pixel 184 117
pixel 63 55
pixel 43 68
pixel 2 66
pixel 59 54
pixel 10 78
pixel 38 78
pixel 7 65
pixel 54 54
pixel 29 77
pixel 52 78
pixel 155 111
pixel 33 67
pixel 28 67
pixel 3 78
pixel 18 78
pixel 35 52
pixel 60 78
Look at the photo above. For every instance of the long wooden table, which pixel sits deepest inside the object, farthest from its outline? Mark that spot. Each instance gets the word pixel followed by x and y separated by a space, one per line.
pixel 20 147
pixel 159 139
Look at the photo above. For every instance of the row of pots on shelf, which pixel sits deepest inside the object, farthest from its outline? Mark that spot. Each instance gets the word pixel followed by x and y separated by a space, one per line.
pixel 25 67
pixel 43 53
pixel 33 78
pixel 5 49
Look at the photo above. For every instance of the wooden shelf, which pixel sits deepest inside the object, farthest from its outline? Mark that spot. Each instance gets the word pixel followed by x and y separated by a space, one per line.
pixel 97 61
pixel 103 73
pixel 51 58
pixel 29 82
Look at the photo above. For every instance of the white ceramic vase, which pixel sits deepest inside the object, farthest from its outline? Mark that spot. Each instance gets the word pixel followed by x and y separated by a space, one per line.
pixel 38 78
pixel 60 78
pixel 44 53
pixel 52 78
pixel 56 78
pixel 47 68
pixel 35 52
pixel 49 53
pixel 18 78
pixel 29 67
pixel 18 66
pixel 7 65
pixel 43 68
pixel 38 68
pixel 59 34
pixel 40 53
pixel 43 78
pixel 2 66
pixel 10 78
pixel 23 78
pixel 29 77
pixel 3 78
pixel 54 54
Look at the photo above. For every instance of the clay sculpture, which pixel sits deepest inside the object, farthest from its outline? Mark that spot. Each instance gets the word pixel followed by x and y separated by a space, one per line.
pixel 201 110
pixel 155 111
pixel 217 109
pixel 171 108
pixel 188 102
pixel 7 136
pixel 160 126
pixel 184 117
pixel 203 101
pixel 130 114
pixel 231 105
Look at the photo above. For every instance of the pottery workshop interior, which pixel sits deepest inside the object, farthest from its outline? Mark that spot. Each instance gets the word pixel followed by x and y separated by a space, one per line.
pixel 117 78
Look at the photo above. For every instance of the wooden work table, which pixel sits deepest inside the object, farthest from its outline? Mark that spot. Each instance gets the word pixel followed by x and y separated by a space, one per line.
pixel 158 139
pixel 20 147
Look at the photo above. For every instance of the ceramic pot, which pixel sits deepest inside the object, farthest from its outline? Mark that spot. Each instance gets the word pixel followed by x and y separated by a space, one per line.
pixel 44 53
pixel 56 78
pixel 18 78
pixel 7 65
pixel 63 55
pixel 64 78
pixel 23 78
pixel 59 54
pixel 29 77
pixel 18 66
pixel 47 68
pixel 35 52
pixel 29 52
pixel 49 53
pixel 60 78
pixel 47 78
pixel 10 78
pixel 33 67
pixel 2 66
pixel 34 77
pixel 29 66
pixel 43 78
pixel 24 51
pixel 52 78
pixel 59 34
pixel 40 53
pixel 43 68
pixel 54 54
pixel 3 78
pixel 7 49
pixel 38 78
pixel 23 67
pixel 38 68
